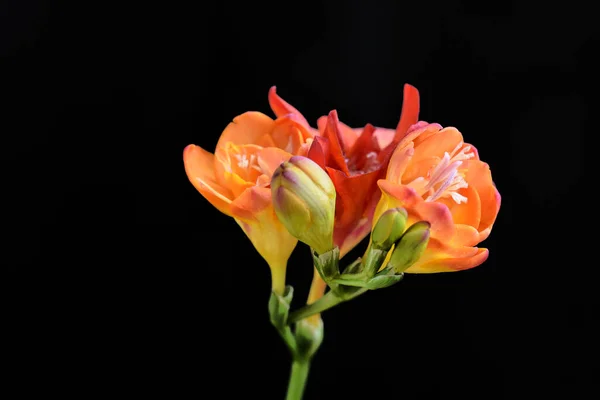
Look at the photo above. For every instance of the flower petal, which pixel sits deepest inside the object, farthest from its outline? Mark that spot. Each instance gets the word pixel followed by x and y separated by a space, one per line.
pixel 437 214
pixel 348 136
pixel 289 134
pixel 250 203
pixel 410 110
pixel 254 213
pixel 247 128
pixel 199 167
pixel 271 158
pixel 450 264
pixel 465 235
pixel 332 133
pixel 319 151
pixel 364 145
pixel 467 213
pixel 444 141
pixel 398 163
pixel 479 177
pixel 353 193
pixel 281 107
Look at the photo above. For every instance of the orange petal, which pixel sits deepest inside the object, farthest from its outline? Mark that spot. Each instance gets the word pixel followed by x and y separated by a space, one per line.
pixel 450 264
pixel 247 128
pixel 467 213
pixel 419 168
pixel 480 178
pixel 281 107
pixel 398 163
pixel 230 169
pixel 270 159
pixel 288 134
pixel 465 235
pixel 438 215
pixel 444 141
pixel 199 167
pixel 423 132
pixel 405 196
pixel 251 202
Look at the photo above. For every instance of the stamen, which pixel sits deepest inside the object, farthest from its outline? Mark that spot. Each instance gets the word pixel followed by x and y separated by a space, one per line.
pixel 445 179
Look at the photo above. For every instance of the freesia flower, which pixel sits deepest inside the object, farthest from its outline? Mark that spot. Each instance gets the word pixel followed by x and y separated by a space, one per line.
pixel 440 179
pixel 354 159
pixel 236 178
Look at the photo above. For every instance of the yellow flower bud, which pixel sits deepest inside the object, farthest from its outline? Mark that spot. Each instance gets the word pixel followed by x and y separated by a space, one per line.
pixel 304 201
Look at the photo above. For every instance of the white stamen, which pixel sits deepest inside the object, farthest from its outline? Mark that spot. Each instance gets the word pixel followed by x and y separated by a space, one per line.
pixel 242 160
pixel 445 178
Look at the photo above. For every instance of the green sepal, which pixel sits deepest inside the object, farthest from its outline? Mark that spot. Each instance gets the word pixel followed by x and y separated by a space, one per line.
pixel 279 307
pixel 327 264
pixel 383 281
pixel 355 267
pixel 373 260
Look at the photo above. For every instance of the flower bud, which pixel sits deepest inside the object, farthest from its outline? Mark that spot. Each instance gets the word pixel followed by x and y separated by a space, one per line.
pixel 389 228
pixel 309 336
pixel 304 201
pixel 410 247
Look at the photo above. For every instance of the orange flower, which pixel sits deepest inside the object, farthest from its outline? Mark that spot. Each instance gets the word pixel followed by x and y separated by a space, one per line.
pixel 236 179
pixel 438 178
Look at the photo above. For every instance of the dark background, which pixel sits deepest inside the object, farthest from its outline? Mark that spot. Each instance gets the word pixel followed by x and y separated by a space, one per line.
pixel 126 281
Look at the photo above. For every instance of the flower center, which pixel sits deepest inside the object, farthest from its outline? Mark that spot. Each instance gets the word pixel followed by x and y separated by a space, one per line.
pixel 445 178
pixel 369 163
pixel 244 162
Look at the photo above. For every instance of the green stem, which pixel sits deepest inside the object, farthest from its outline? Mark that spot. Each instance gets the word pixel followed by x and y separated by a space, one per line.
pixel 324 303
pixel 298 378
pixel 288 337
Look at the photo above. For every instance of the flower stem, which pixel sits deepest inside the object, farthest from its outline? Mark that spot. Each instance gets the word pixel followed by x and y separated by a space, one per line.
pixel 298 378
pixel 326 302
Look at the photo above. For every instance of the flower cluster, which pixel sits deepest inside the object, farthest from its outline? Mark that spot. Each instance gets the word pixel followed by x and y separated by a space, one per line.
pixel 419 190
pixel 283 181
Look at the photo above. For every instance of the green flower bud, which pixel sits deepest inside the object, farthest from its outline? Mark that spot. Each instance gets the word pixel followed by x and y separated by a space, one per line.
pixel 304 201
pixel 389 228
pixel 309 336
pixel 410 247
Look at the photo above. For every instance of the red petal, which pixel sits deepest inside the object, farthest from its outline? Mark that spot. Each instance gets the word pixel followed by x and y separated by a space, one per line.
pixel 281 107
pixel 319 151
pixel 332 132
pixel 365 144
pixel 410 110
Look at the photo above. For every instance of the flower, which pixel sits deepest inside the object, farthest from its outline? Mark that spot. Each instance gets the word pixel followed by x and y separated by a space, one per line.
pixel 304 201
pixel 236 178
pixel 354 159
pixel 440 179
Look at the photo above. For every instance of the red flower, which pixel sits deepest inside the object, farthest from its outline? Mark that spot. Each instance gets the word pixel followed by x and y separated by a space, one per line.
pixel 355 160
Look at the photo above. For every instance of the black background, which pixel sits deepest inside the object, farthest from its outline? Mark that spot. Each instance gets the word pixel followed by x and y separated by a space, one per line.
pixel 127 282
